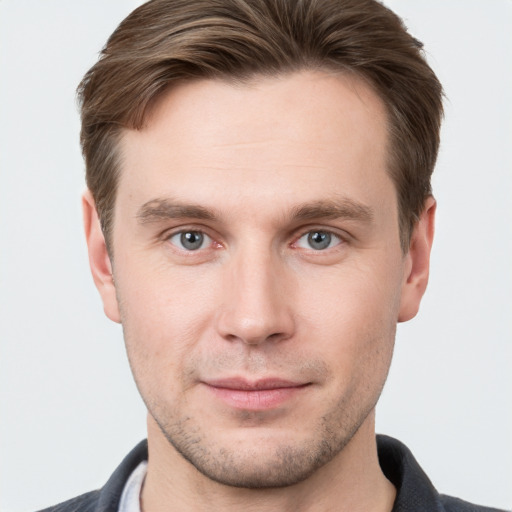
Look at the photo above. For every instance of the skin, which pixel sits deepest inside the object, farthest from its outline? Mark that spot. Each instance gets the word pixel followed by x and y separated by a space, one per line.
pixel 256 170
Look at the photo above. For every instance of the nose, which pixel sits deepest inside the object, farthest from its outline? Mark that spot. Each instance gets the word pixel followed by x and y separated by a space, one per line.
pixel 256 303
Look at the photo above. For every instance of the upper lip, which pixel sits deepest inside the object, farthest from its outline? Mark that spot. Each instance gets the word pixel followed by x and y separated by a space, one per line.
pixel 238 383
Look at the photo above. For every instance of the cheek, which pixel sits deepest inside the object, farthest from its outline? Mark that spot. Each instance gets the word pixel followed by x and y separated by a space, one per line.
pixel 164 316
pixel 362 292
pixel 353 313
pixel 160 298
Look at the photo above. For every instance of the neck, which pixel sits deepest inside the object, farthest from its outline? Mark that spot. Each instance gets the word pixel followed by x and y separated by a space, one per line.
pixel 352 481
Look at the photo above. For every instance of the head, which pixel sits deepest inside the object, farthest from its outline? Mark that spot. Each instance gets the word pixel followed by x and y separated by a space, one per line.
pixel 163 43
pixel 259 172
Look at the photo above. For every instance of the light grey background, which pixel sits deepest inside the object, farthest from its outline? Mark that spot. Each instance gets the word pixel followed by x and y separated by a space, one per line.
pixel 69 409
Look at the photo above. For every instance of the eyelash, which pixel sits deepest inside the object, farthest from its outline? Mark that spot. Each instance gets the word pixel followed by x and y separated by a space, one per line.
pixel 340 240
pixel 169 235
pixel 332 237
pixel 204 236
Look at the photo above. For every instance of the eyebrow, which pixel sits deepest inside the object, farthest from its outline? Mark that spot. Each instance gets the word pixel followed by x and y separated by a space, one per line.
pixel 161 209
pixel 344 208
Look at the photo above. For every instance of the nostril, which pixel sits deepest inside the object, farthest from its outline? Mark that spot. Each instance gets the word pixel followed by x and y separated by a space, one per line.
pixel 255 314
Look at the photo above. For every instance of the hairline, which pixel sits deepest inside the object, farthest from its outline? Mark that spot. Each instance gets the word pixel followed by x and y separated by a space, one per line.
pixel 243 80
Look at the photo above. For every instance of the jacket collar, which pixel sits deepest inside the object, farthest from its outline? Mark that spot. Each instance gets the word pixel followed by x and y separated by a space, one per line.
pixel 415 492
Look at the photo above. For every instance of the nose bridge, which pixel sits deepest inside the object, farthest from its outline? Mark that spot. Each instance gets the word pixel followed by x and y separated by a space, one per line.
pixel 254 306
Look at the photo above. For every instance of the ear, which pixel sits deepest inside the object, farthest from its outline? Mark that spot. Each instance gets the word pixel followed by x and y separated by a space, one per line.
pixel 99 260
pixel 417 263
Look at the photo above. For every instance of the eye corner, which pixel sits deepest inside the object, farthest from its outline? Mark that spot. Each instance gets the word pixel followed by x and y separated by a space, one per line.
pixel 189 240
pixel 318 240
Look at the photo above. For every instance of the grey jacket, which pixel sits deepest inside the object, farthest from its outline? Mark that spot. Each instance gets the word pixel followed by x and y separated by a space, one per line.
pixel 415 492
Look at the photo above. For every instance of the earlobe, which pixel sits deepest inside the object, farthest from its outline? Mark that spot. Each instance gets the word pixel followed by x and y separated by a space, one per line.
pixel 417 263
pixel 99 260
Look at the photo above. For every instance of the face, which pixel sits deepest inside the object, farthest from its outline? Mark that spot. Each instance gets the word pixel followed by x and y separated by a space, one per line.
pixel 258 271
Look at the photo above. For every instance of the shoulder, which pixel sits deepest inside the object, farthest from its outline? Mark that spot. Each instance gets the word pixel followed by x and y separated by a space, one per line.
pixel 457 505
pixel 84 503
pixel 107 498
pixel 415 491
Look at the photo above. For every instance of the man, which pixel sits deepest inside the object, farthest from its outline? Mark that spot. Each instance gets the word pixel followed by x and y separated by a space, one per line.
pixel 259 217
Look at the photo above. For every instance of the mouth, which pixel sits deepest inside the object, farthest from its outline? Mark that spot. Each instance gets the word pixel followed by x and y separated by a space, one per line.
pixel 256 395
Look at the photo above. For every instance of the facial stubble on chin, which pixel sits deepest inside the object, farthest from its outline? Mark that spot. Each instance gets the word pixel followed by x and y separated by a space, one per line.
pixel 285 465
pixel 288 465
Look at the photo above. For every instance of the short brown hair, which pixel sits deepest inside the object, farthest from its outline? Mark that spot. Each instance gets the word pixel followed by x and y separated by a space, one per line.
pixel 166 41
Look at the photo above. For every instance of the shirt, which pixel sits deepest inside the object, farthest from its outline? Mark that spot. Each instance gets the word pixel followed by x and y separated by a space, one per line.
pixel 414 490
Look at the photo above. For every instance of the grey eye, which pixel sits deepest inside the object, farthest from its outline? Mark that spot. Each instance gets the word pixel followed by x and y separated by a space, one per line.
pixel 318 240
pixel 190 240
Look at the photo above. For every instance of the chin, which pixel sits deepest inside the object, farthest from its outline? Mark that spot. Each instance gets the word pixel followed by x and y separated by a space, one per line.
pixel 269 460
pixel 257 469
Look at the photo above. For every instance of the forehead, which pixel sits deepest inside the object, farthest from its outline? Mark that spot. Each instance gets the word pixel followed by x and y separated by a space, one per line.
pixel 307 131
pixel 297 101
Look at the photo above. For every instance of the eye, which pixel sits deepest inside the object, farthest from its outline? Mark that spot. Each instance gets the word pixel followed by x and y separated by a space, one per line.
pixel 190 240
pixel 318 240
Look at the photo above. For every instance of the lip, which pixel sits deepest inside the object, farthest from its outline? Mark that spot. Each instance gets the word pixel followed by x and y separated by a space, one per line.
pixel 258 395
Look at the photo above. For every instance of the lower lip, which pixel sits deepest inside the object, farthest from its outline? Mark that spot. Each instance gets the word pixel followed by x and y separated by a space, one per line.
pixel 258 399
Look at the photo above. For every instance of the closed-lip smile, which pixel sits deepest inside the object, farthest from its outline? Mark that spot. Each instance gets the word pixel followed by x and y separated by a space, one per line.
pixel 257 395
